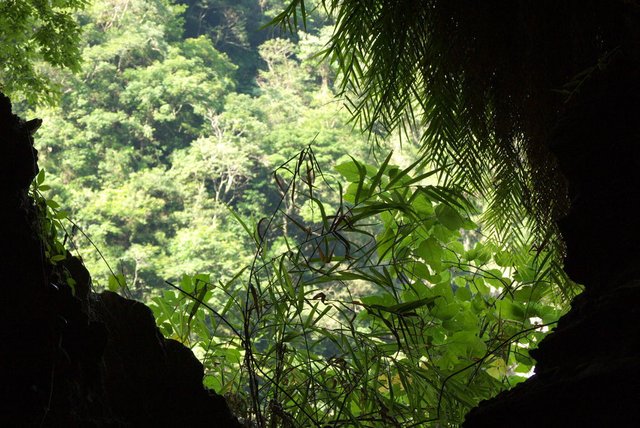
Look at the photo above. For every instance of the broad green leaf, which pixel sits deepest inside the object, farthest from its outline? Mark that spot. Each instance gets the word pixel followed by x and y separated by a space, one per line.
pixel 449 217
pixel 438 335
pixel 473 345
pixel 187 284
pixel 61 215
pixel 431 252
pixel 422 205
pixel 58 258
pixel 166 328
pixel 212 382
pixel 456 247
pixel 404 308
pixel 350 171
pixel 510 310
pixel 421 270
pixel 460 281
pixel 443 234
pixel 443 289
pixel 53 204
pixel 116 282
pixel 445 311
pixel 522 356
pixel 201 279
pixel 463 294
pixel 497 369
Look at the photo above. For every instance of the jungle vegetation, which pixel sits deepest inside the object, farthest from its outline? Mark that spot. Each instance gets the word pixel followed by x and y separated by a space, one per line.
pixel 335 249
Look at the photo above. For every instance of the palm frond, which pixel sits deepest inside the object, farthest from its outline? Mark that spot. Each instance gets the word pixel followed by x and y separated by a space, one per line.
pixel 484 81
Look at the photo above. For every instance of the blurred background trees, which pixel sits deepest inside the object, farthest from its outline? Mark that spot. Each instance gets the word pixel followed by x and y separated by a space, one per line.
pixel 177 112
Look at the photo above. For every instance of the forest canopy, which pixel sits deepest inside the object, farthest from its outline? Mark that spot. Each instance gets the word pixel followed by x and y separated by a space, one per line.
pixel 36 34
pixel 209 166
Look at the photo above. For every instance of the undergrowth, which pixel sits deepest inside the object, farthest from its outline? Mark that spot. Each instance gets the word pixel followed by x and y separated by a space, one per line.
pixel 377 304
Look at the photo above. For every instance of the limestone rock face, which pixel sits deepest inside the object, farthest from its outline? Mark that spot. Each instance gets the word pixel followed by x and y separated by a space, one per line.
pixel 82 360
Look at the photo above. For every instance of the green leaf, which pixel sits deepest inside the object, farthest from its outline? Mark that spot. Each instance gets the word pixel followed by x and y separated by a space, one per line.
pixel 350 193
pixel 53 204
pixel 497 369
pixel 431 252
pixel 212 383
pixel 438 335
pixel 449 217
pixel 235 215
pixel 385 243
pixel 350 171
pixel 463 294
pixel 187 284
pixel 166 328
pixel 201 279
pixel 407 307
pixel 116 282
pixel 509 310
pixel 475 347
pixel 522 356
pixel 445 311
pixel 421 270
pixel 375 181
pixel 58 258
pixel 422 205
pixel 456 247
pixel 460 281
pixel 40 177
pixel 443 234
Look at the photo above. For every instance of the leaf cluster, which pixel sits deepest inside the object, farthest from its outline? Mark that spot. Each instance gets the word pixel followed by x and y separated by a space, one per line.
pixel 34 35
pixel 389 310
pixel 484 82
pixel 152 140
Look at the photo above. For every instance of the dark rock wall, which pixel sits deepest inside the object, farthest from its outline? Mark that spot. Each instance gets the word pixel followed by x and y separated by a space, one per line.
pixel 588 369
pixel 86 360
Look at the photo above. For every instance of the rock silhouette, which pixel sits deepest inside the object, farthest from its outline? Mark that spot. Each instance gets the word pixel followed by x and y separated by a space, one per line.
pixel 83 359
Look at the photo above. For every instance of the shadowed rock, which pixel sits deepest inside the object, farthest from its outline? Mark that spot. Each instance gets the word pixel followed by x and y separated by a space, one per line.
pixel 82 360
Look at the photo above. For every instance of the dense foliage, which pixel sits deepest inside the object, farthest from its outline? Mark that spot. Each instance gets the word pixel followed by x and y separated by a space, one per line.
pixel 36 35
pixel 151 142
pixel 483 82
pixel 192 159
pixel 387 310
